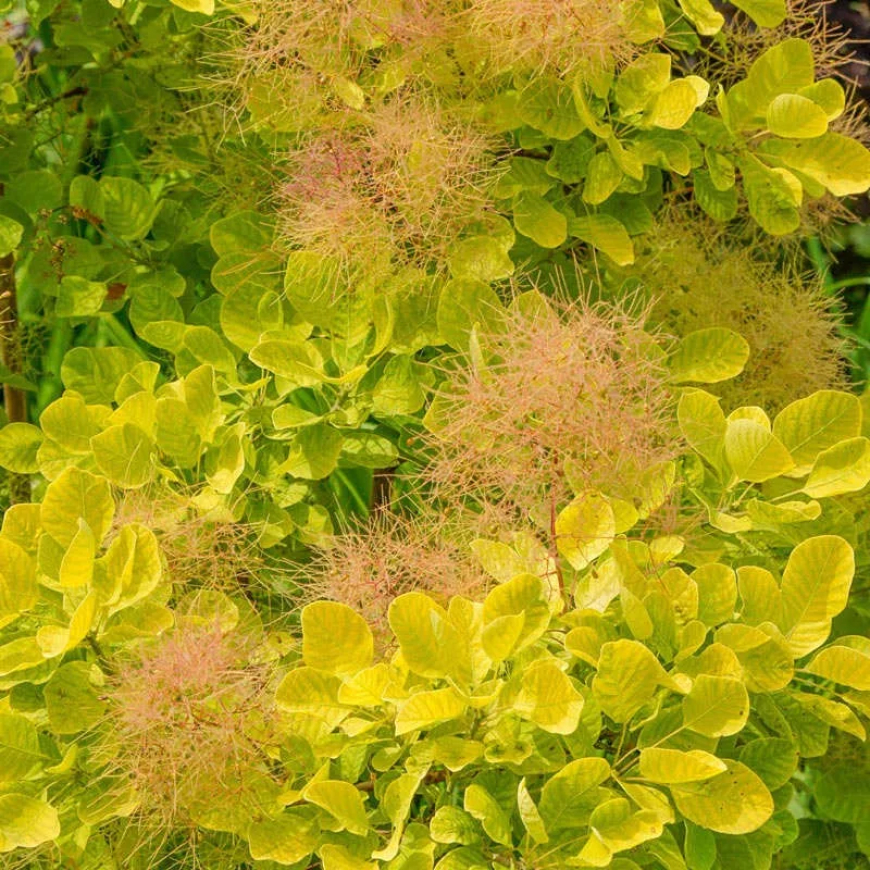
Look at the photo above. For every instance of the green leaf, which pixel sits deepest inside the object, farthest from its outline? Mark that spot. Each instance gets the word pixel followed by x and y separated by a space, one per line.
pixel 628 677
pixel 341 800
pixel 10 235
pixel 79 297
pixel 16 381
pixel 19 444
pixel 425 709
pixel 605 233
pixel 75 495
pixel 774 759
pixel 127 207
pixel 734 802
pixel 569 796
pixel 709 356
pixel 796 117
pixel 35 190
pixel 124 454
pixel 548 698
pixel 335 638
pixel 26 822
pixel 716 706
pixel 536 218
pixel 671 766
pixel 753 452
pixel 809 426
pixel 815 588
pixel 585 529
pixel 842 795
pixel 547 104
pixel 286 839
pixel 72 701
pixel 845 467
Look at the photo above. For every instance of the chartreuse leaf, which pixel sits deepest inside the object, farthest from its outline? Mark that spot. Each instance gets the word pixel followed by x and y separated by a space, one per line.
pixel 615 827
pixel 75 495
pixel 10 235
pixel 815 588
pixel 429 642
pixel 675 104
pixel 708 356
pixel 453 825
pixel 809 426
pixel 54 640
pixel 425 709
pixel 671 766
pixel 131 568
pixel 845 467
pixel 314 452
pixel 19 590
pixel 641 80
pixel 466 304
pixel 339 858
pixel 703 15
pixel 26 822
pixel 837 162
pixel 286 839
pixel 764 655
pixel 480 258
pixel 628 677
pixel 844 664
pixel 19 444
pixel 703 424
pixel 335 638
pixel 548 698
pixel 306 690
pixel 479 803
pixel 128 208
pixel 20 753
pixel 124 454
pixel 585 529
pixel 529 815
pixel 796 117
pixel 539 220
pixel 733 802
pixel 605 233
pixel 716 706
pixel 396 804
pixel 570 795
pixel 341 800
pixel 767 13
pixel 515 615
pixel 754 452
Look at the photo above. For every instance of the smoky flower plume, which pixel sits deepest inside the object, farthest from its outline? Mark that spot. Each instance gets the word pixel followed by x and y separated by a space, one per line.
pixel 560 387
